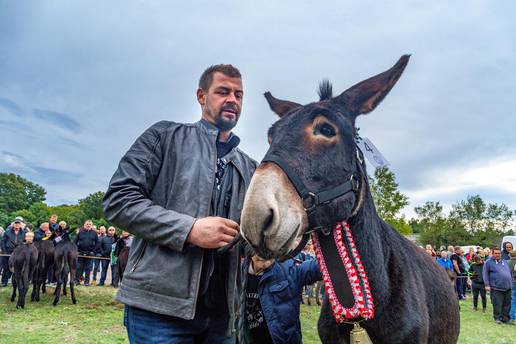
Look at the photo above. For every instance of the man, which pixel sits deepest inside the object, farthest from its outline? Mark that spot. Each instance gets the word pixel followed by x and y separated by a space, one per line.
pixel 105 244
pixel 459 269
pixel 498 281
pixel 477 282
pixel 512 268
pixel 53 223
pixel 86 242
pixel 506 250
pixel 101 233
pixel 42 231
pixel 180 189
pixel 13 236
pixel 273 292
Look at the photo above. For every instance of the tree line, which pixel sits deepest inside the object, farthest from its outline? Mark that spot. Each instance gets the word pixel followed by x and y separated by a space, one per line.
pixel 470 221
pixel 21 197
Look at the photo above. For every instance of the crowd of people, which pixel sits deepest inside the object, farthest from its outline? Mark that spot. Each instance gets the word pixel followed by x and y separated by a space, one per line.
pixel 98 248
pixel 482 271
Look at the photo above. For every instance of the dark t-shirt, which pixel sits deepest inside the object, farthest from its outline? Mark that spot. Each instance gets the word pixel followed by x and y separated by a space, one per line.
pixel 455 257
pixel 255 320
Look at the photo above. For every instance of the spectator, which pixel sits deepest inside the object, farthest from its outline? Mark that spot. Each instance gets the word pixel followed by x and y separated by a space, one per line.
pixel 86 242
pixel 105 245
pixel 101 232
pixel 467 281
pixel 451 251
pixel 487 253
pixel 12 237
pixel 512 266
pixel 477 283
pixel 470 255
pixel 506 250
pixel 114 268
pixel 498 281
pixel 42 231
pixel 263 305
pixel 52 222
pixel 458 267
pixel 447 266
pixel 430 251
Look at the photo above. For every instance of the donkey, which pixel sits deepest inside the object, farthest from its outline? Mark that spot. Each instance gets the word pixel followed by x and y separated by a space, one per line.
pixel 22 263
pixel 45 262
pixel 65 262
pixel 313 179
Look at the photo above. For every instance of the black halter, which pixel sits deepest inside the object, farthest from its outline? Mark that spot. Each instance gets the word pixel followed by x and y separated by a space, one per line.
pixel 314 199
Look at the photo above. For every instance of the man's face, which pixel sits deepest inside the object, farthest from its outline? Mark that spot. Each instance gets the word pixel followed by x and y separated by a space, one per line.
pixel 45 227
pixel 125 234
pixel 102 230
pixel 88 225
pixel 443 254
pixel 53 219
pixel 111 231
pixel 222 103
pixel 17 226
pixel 497 254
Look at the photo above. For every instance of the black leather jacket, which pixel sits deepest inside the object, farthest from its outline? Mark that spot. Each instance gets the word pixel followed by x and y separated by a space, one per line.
pixel 162 185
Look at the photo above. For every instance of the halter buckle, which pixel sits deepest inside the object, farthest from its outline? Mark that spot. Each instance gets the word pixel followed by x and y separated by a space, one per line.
pixel 355 184
pixel 310 201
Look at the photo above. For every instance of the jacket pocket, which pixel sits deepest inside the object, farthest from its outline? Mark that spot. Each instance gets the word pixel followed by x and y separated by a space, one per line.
pixel 280 292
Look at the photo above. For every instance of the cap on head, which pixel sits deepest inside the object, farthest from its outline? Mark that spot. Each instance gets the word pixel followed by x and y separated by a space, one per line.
pixel 19 219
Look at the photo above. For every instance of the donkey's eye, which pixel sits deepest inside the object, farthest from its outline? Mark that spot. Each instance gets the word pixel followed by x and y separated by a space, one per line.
pixel 327 130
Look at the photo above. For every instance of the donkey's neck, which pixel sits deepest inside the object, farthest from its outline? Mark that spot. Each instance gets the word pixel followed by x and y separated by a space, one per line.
pixel 368 232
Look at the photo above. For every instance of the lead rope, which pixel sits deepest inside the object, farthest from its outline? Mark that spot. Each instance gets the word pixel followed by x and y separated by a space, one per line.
pixel 242 300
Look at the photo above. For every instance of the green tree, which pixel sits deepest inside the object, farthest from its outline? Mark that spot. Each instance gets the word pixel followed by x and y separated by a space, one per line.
pixel 387 199
pixel 17 193
pixel 71 214
pixel 91 206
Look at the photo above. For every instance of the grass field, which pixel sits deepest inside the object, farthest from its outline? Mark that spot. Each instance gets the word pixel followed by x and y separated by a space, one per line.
pixel 97 318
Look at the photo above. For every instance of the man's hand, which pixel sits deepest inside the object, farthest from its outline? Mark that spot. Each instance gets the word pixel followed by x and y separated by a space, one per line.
pixel 212 232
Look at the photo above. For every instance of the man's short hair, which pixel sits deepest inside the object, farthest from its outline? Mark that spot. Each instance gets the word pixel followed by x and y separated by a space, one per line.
pixel 226 69
pixel 457 248
pixel 496 248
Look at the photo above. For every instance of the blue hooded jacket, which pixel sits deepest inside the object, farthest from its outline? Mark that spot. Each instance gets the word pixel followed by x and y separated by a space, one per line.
pixel 505 254
pixel 279 290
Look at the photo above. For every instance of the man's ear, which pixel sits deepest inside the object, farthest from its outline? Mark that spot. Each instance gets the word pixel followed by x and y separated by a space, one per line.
pixel 201 96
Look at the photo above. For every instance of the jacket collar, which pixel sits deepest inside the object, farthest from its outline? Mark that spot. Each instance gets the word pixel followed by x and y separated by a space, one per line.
pixel 213 130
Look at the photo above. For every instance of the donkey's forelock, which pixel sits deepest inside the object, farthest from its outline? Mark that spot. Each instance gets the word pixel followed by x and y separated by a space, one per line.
pixel 325 91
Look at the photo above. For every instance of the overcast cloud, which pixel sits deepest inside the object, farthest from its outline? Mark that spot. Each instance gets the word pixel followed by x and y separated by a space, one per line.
pixel 80 82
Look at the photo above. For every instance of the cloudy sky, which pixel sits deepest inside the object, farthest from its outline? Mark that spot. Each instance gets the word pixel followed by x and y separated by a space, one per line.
pixel 79 83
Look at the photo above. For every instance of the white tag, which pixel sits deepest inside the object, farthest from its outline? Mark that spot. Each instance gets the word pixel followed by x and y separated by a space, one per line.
pixel 58 239
pixel 372 154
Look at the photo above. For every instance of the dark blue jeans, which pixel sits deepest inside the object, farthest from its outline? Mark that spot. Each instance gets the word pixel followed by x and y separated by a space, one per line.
pixel 84 267
pixel 105 265
pixel 96 268
pixel 146 327
pixel 5 267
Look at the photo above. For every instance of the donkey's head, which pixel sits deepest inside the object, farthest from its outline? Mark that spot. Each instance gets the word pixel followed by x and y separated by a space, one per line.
pixel 317 143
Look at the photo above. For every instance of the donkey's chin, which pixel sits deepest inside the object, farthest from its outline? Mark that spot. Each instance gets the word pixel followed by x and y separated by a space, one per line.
pixel 279 247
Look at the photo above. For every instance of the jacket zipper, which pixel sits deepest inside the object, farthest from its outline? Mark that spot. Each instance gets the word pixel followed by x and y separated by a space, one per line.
pixel 202 256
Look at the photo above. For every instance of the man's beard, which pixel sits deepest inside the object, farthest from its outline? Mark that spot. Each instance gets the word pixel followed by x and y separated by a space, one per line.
pixel 226 124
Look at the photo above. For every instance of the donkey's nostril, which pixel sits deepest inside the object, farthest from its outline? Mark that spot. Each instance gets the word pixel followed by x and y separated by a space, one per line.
pixel 268 220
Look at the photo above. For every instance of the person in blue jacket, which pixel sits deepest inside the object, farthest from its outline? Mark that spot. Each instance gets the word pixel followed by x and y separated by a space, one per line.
pixel 273 293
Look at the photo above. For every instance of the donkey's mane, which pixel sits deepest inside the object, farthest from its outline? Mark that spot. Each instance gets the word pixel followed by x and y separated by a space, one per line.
pixel 325 91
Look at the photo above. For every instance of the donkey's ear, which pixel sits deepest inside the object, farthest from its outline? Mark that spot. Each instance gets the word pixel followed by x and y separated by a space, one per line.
pixel 363 97
pixel 280 107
